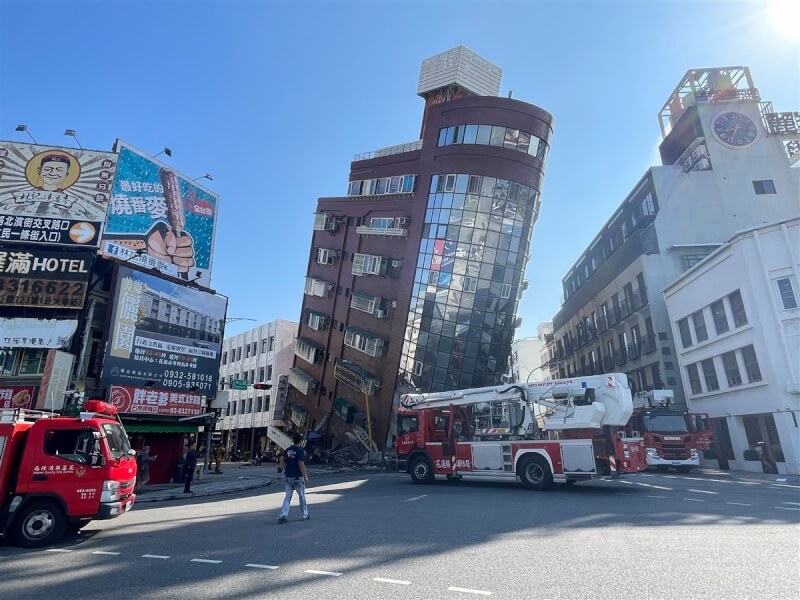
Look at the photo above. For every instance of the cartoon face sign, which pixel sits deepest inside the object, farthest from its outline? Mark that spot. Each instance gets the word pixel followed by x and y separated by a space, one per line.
pixel 52 170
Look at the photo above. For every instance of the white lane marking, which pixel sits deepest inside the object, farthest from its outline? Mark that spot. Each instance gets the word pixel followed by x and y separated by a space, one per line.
pixel 257 566
pixel 748 483
pixel 395 581
pixel 469 591
pixel 625 482
pixel 658 487
pixel 162 557
pixel 656 496
pixel 793 503
pixel 416 498
pixel 621 494
pixel 786 507
pixel 670 477
pixel 330 573
pixel 739 504
pixel 785 485
pixel 58 550
pixel 102 552
pixel 206 560
pixel 693 500
pixel 702 491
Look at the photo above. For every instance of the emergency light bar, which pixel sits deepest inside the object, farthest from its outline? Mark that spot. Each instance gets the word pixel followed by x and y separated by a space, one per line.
pixel 98 407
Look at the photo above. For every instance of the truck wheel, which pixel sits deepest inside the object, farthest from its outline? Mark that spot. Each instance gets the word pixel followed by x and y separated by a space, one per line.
pixel 420 470
pixel 39 524
pixel 535 473
pixel 683 468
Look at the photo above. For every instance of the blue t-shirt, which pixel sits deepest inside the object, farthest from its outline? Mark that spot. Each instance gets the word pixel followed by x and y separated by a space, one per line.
pixel 293 456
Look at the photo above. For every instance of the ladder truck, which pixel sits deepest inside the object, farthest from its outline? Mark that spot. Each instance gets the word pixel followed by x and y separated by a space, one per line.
pixel 673 438
pixel 521 432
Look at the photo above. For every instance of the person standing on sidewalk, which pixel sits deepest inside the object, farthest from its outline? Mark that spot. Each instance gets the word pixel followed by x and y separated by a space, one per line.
pixel 294 467
pixel 143 460
pixel 189 467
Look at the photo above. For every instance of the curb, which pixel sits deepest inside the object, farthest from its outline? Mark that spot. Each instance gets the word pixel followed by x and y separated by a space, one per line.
pixel 201 494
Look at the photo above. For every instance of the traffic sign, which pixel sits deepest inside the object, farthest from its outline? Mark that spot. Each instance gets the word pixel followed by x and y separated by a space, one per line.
pixel 240 384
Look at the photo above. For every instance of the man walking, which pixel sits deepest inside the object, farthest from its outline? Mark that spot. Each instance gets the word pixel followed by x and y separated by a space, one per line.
pixel 189 467
pixel 294 467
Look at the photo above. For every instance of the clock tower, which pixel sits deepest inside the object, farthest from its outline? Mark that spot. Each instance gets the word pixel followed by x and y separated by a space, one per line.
pixel 715 120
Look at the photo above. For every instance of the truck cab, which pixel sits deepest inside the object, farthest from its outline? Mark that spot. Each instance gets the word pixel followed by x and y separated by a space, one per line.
pixel 60 473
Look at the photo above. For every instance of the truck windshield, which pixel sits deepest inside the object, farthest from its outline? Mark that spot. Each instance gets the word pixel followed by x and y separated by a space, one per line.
pixel 117 440
pixel 665 423
pixel 407 424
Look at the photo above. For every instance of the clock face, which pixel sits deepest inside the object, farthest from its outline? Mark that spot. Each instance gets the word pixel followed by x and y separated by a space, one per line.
pixel 735 129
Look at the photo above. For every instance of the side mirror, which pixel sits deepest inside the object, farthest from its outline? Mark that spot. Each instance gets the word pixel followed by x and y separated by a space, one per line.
pixel 98 460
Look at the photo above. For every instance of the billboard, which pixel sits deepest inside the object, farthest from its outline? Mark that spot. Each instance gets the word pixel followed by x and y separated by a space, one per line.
pixel 146 401
pixel 25 332
pixel 163 335
pixel 16 396
pixel 44 277
pixel 160 219
pixel 53 195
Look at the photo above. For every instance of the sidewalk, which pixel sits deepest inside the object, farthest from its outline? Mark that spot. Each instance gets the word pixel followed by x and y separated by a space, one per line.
pixel 235 477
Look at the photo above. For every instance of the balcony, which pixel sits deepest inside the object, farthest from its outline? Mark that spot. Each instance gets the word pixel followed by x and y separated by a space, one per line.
pixel 302 381
pixel 395 228
pixel 309 351
pixel 356 377
pixel 648 344
pixel 364 341
pixel 368 303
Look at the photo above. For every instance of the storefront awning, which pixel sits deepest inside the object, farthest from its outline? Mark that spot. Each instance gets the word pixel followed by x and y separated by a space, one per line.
pixel 160 428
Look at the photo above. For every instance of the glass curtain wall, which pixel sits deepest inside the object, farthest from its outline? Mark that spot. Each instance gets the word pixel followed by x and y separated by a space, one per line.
pixel 469 270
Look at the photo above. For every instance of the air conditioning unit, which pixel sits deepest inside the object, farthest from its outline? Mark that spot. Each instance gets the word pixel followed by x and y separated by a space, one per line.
pixel 700 151
pixel 396 264
pixel 380 313
pixel 703 164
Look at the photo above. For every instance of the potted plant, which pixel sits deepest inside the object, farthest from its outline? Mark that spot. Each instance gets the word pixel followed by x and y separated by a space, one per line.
pixel 710 459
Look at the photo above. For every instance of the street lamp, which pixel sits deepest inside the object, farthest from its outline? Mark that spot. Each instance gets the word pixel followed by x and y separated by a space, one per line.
pixel 25 129
pixel 71 133
pixel 206 176
pixel 166 151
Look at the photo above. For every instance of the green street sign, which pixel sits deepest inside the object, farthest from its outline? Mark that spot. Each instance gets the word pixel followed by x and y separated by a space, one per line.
pixel 240 384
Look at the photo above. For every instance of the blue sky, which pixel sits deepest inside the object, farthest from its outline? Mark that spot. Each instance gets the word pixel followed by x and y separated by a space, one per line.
pixel 275 98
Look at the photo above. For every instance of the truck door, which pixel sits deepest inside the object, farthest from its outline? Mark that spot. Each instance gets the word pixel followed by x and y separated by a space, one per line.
pixel 67 462
pixel 460 438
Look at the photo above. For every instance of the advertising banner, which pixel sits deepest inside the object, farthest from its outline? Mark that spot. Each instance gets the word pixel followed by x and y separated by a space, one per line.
pixel 160 219
pixel 146 401
pixel 36 333
pixel 163 335
pixel 53 195
pixel 45 277
pixel 16 396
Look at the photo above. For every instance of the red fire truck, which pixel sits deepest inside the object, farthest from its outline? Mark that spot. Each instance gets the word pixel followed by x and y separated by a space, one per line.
pixel 59 473
pixel 673 438
pixel 512 432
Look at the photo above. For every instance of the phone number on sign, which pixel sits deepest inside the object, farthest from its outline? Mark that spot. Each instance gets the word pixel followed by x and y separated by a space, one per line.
pixel 192 377
pixel 45 292
pixel 174 410
pixel 185 384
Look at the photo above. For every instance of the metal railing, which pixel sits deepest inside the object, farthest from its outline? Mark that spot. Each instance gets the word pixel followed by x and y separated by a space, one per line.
pixel 390 151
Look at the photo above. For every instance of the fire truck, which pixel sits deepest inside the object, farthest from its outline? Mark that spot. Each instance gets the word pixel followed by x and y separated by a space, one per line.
pixel 58 473
pixel 518 432
pixel 673 438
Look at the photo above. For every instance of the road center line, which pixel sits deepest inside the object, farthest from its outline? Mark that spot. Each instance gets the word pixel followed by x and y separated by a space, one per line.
pixel 657 487
pixel 739 504
pixel 257 566
pixel 329 573
pixel 154 556
pixel 416 498
pixel 469 591
pixel 104 553
pixel 58 550
pixel 693 500
pixel 786 507
pixel 702 491
pixel 395 581
pixel 656 496
pixel 206 560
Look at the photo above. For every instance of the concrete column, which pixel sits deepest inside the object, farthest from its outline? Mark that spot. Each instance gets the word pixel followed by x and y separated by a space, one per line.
pixel 738 437
pixel 789 435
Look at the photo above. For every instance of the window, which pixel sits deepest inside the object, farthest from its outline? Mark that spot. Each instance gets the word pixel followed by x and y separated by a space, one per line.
pixel 381 223
pixel 686 336
pixel 710 374
pixel 417 367
pixel 505 290
pixel 699 322
pixel 694 379
pixel 258 404
pixel 737 309
pixel 363 342
pixel 366 264
pixel 316 321
pixel 470 284
pixel 224 358
pixel 719 316
pixel 787 293
pixel 32 362
pixel 76 445
pixel 731 369
pixel 764 186
pixel 690 260
pixel 751 364
pixel 326 256
pixel 264 345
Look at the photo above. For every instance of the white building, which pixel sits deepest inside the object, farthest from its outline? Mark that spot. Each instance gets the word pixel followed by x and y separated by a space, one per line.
pixel 736 319
pixel 529 359
pixel 726 166
pixel 262 354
